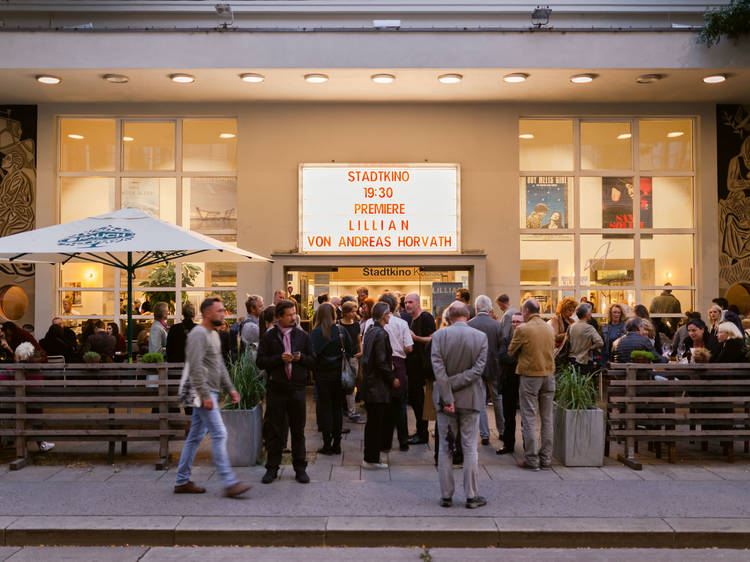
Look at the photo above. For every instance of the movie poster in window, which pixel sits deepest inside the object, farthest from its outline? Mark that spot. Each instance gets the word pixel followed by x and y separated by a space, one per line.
pixel 618 199
pixel 546 202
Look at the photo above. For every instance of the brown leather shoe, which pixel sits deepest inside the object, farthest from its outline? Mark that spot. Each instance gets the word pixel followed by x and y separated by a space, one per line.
pixel 236 490
pixel 189 488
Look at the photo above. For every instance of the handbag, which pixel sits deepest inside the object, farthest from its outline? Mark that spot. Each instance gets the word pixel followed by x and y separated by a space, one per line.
pixel 186 394
pixel 348 373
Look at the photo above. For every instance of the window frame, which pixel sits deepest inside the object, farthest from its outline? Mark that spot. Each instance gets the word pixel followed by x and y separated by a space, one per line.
pixel 118 175
pixel 578 289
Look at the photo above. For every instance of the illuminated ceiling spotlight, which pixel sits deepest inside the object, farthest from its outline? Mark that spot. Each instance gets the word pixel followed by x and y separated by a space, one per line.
pixel 316 78
pixel 582 78
pixel 48 79
pixel 675 134
pixel 116 78
pixel 715 79
pixel 624 136
pixel 515 78
pixel 450 78
pixel 252 78
pixel 182 78
pixel 227 135
pixel 649 78
pixel 128 139
pixel 383 78
pixel 75 136
pixel 527 136
pixel 540 16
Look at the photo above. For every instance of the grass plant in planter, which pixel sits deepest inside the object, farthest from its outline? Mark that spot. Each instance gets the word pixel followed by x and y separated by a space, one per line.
pixel 244 420
pixel 640 356
pixel 579 423
pixel 91 357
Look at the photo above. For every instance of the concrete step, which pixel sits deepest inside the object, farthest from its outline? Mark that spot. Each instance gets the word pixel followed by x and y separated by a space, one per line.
pixel 450 531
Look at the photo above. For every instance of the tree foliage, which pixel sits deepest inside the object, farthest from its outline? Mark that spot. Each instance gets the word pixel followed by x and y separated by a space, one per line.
pixel 732 20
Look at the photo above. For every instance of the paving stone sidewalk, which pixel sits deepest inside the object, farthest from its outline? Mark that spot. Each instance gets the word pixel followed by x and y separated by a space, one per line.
pixel 700 498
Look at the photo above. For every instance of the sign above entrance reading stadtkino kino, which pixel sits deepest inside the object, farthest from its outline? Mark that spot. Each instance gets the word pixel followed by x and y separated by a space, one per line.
pixel 387 209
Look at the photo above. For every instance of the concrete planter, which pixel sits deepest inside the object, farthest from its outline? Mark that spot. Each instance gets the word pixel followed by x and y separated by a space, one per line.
pixel 579 437
pixel 245 435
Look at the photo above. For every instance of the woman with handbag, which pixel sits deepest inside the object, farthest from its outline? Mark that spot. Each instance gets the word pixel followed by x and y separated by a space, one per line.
pixel 331 344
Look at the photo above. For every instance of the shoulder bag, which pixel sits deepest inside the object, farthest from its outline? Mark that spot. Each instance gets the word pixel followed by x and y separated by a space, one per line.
pixel 348 373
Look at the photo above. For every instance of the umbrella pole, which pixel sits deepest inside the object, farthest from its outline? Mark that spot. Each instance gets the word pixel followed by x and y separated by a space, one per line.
pixel 130 307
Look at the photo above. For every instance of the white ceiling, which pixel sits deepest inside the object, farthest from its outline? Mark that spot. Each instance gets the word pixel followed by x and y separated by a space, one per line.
pixel 355 85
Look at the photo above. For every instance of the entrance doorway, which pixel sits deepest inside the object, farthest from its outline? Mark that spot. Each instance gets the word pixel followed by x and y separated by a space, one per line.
pixel 436 286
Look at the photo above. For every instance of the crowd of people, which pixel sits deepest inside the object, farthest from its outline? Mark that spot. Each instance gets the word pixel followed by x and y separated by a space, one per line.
pixel 447 371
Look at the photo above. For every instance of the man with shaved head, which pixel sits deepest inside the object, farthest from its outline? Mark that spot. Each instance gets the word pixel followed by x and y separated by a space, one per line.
pixel 418 365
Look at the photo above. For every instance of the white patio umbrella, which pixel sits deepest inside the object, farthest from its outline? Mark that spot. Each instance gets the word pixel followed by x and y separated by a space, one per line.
pixel 126 239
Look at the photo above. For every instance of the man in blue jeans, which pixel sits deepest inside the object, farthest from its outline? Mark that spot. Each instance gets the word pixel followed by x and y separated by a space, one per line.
pixel 208 376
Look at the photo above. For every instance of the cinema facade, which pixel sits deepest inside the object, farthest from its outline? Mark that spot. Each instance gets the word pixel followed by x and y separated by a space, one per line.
pixel 582 162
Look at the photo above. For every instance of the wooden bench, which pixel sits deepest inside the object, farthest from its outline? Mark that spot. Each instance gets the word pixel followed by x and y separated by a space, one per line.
pixel 91 402
pixel 698 402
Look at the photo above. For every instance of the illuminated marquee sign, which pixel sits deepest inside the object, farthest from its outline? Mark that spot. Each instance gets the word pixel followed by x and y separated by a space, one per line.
pixel 390 209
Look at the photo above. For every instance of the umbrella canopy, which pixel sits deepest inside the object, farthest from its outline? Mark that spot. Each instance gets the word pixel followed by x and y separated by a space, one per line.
pixel 109 238
pixel 126 239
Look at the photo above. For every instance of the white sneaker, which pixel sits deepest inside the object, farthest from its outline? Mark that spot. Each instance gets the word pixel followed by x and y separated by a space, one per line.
pixel 45 446
pixel 374 465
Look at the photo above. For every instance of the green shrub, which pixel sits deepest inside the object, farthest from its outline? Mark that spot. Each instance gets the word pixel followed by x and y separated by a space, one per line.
pixel 575 391
pixel 640 353
pixel 248 380
pixel 732 20
pixel 153 358
pixel 91 357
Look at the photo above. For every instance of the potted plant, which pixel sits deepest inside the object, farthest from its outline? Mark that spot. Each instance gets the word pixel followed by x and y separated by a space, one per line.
pixel 639 356
pixel 92 357
pixel 579 424
pixel 244 420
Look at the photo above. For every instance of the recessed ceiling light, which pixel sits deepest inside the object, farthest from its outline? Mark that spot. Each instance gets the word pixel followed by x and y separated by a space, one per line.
pixel 383 78
pixel 227 135
pixel 675 134
pixel 525 136
pixel 128 139
pixel 450 78
pixel 316 78
pixel 715 79
pixel 515 78
pixel 252 78
pixel 75 137
pixel 182 78
pixel 624 136
pixel 649 78
pixel 582 78
pixel 47 79
pixel 116 78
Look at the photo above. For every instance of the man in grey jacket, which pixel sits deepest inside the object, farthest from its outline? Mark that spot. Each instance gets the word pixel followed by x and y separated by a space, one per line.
pixel 208 377
pixel 491 376
pixel 459 354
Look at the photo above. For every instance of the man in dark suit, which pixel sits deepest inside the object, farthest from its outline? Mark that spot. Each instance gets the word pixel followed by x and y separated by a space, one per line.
pixel 492 329
pixel 459 354
pixel 286 353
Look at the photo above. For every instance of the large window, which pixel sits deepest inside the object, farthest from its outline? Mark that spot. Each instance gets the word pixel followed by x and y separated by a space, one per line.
pixel 619 196
pixel 183 171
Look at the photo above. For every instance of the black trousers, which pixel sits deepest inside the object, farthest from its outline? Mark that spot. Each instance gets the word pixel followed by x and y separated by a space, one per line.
pixel 510 405
pixel 395 418
pixel 416 401
pixel 330 402
pixel 374 430
pixel 290 405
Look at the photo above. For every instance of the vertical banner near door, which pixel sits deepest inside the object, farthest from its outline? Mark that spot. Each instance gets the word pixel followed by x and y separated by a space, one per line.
pixel 733 181
pixel 547 202
pixel 443 294
pixel 17 203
